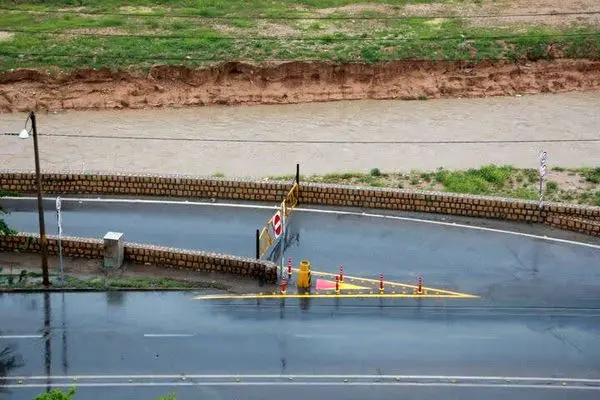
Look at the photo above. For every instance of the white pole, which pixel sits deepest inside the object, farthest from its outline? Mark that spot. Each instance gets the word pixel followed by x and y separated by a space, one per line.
pixel 543 172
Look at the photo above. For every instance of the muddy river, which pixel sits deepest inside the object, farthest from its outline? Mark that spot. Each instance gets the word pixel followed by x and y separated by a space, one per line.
pixel 322 137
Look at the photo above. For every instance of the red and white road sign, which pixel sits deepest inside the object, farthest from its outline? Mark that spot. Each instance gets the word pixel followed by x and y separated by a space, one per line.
pixel 277 225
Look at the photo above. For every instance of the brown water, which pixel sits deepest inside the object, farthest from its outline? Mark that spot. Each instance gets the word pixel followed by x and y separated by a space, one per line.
pixel 270 140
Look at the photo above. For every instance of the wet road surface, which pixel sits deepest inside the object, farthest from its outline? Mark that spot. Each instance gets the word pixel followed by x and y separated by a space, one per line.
pixel 116 337
pixel 505 269
pixel 538 315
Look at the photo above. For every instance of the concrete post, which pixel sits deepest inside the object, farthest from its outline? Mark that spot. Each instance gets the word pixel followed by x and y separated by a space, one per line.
pixel 113 250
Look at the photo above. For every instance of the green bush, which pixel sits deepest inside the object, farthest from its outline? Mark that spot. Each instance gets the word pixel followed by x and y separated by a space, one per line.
pixel 462 182
pixel 57 394
pixel 591 175
pixel 494 174
pixel 551 186
pixel 375 172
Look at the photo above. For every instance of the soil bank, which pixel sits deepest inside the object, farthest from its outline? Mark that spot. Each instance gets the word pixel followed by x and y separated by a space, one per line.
pixel 233 83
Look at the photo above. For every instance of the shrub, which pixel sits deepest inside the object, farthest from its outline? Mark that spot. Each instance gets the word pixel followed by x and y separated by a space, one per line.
pixel 591 175
pixel 375 172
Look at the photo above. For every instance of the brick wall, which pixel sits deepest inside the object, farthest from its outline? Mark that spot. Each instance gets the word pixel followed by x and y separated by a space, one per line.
pixel 72 247
pixel 557 215
pixel 586 226
pixel 138 253
pixel 145 185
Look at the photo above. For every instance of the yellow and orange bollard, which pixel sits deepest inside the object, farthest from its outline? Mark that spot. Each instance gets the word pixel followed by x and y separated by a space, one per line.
pixel 341 273
pixel 381 284
pixel 337 284
pixel 283 286
pixel 289 267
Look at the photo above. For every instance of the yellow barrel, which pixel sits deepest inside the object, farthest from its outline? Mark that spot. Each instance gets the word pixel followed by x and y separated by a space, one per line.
pixel 303 280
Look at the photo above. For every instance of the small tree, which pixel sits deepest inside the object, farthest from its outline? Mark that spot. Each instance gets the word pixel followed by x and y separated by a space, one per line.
pixel 4 228
pixel 57 394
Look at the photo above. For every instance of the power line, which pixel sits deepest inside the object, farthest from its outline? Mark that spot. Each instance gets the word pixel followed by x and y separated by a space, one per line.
pixel 330 38
pixel 302 17
pixel 277 141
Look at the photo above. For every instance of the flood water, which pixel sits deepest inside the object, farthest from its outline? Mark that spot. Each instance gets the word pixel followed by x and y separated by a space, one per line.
pixel 322 137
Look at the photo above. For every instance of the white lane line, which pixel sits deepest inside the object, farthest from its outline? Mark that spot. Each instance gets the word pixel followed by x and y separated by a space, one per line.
pixel 482 378
pixel 323 211
pixel 163 335
pixel 21 336
pixel 318 384
pixel 317 336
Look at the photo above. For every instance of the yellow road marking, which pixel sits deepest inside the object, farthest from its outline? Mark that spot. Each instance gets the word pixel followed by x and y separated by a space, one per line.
pixel 388 283
pixel 330 296
pixel 345 286
pixel 399 290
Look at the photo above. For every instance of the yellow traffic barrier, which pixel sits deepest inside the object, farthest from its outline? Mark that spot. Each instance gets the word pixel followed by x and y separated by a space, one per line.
pixel 303 280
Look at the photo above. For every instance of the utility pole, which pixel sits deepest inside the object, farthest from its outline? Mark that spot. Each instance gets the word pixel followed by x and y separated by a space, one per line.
pixel 40 201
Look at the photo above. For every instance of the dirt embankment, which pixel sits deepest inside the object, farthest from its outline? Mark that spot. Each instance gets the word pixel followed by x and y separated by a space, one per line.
pixel 291 82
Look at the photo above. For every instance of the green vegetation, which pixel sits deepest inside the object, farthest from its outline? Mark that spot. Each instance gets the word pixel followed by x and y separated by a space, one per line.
pixel 475 181
pixel 576 185
pixel 57 394
pixel 69 394
pixel 591 175
pixel 32 280
pixel 104 33
pixel 4 228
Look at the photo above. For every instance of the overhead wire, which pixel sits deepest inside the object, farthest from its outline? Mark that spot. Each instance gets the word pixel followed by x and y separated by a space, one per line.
pixel 308 141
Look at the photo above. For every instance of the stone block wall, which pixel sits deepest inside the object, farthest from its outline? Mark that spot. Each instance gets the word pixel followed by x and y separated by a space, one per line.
pixel 587 227
pixel 146 254
pixel 145 185
pixel 558 215
pixel 200 261
pixel 71 246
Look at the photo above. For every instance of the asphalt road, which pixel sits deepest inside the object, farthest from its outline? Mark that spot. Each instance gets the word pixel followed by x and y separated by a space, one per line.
pixel 140 345
pixel 538 314
pixel 504 269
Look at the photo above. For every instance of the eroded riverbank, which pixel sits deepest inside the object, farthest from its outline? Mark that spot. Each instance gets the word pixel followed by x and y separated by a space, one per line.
pixel 233 83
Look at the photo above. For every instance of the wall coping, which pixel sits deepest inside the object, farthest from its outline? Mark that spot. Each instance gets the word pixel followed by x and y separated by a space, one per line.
pixel 5 173
pixel 144 246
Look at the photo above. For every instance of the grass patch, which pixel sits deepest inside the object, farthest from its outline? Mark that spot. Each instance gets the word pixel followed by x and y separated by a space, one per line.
pixel 160 34
pixel 493 180
pixel 591 174
pixel 474 181
pixel 33 281
pixel 551 186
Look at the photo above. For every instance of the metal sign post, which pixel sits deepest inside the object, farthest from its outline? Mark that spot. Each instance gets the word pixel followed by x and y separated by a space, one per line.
pixel 283 218
pixel 543 173
pixel 59 223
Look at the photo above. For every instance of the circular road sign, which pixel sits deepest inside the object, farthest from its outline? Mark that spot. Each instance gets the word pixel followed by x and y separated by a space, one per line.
pixel 277 225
